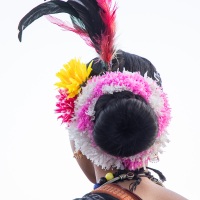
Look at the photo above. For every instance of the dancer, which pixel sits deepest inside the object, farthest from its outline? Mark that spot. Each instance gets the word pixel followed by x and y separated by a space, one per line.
pixel 114 106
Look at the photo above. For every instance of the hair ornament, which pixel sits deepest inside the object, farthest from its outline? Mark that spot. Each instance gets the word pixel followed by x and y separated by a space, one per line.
pixel 74 75
pixel 92 20
pixel 82 120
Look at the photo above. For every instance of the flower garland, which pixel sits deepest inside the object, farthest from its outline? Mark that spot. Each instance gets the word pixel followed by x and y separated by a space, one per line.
pixel 79 111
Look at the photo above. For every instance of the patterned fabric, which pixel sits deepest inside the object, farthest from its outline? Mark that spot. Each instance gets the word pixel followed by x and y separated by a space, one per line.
pixel 96 196
pixel 110 192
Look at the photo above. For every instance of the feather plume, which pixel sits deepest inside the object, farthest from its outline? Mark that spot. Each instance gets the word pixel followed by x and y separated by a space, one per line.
pixel 92 20
pixel 108 15
pixel 65 26
pixel 51 7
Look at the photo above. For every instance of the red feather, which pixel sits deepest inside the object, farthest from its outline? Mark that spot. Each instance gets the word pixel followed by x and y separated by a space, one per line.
pixel 66 26
pixel 108 15
pixel 102 41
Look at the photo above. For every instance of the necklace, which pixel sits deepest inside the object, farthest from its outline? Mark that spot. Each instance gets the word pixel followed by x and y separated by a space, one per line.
pixel 135 175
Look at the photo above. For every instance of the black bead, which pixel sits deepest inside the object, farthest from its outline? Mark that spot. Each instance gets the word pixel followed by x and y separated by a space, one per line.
pixel 102 180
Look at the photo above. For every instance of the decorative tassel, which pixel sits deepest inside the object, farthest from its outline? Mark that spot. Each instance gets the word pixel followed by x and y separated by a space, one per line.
pixel 161 176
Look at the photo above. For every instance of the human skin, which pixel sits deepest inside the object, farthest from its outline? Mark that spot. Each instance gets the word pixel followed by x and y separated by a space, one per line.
pixel 86 165
pixel 152 190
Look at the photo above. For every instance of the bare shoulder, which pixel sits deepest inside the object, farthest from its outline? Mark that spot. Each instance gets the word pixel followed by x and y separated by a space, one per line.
pixel 156 192
pixel 169 195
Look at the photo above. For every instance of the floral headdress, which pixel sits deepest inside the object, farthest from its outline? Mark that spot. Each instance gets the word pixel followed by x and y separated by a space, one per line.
pixel 78 112
pixel 94 22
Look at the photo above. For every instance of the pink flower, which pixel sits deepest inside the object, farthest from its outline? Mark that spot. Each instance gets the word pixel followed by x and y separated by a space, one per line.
pixel 65 106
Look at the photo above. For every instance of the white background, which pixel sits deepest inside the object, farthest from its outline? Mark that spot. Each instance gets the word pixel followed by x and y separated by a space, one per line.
pixel 36 162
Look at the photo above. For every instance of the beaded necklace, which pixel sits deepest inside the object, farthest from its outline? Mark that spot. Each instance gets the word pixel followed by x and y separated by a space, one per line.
pixel 135 175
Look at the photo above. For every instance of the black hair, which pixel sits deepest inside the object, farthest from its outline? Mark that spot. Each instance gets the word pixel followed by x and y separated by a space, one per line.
pixel 129 62
pixel 125 124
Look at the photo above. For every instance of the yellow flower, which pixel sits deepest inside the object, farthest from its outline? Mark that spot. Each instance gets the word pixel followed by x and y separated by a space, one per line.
pixel 74 74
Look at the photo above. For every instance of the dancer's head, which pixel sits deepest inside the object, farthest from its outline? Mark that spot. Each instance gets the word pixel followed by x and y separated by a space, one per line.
pixel 114 106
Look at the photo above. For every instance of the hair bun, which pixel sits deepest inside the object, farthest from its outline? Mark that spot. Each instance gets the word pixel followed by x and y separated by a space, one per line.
pixel 124 124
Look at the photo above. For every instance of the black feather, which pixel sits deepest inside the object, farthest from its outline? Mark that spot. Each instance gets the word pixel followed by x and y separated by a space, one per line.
pixel 89 19
pixel 88 11
pixel 85 16
pixel 51 7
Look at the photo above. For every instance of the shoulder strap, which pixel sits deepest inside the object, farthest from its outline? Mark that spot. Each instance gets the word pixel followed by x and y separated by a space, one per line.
pixel 117 192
